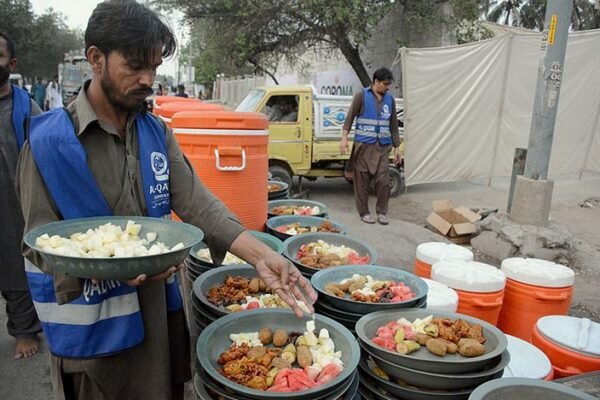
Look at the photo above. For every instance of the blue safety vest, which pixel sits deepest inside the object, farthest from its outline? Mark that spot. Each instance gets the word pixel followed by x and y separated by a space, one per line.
pixel 20 112
pixel 372 125
pixel 106 318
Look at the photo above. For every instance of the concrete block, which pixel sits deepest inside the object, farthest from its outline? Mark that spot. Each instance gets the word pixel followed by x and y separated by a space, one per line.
pixel 531 245
pixel 492 245
pixel 531 201
pixel 512 233
pixel 492 223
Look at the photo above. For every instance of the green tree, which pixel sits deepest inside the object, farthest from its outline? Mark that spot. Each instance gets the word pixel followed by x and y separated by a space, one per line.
pixel 261 33
pixel 530 14
pixel 41 41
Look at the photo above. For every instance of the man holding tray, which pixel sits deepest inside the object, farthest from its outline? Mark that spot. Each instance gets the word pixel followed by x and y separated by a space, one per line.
pixel 102 156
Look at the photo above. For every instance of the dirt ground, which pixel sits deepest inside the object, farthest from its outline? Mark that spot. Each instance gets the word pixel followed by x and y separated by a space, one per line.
pixel 396 243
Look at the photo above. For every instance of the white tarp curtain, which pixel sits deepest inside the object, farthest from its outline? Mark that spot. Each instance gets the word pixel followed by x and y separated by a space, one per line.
pixel 467 107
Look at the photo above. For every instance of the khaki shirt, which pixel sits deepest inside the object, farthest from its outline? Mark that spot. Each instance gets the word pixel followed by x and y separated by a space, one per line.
pixel 357 108
pixel 115 166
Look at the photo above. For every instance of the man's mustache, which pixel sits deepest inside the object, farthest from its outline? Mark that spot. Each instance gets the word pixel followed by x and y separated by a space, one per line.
pixel 142 92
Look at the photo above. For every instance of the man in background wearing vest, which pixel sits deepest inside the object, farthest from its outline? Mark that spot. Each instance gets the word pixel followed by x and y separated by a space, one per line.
pixel 15 107
pixel 376 132
pixel 124 340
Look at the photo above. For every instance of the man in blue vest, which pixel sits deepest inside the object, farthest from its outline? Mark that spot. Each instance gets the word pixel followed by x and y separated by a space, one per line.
pixel 104 155
pixel 15 107
pixel 375 135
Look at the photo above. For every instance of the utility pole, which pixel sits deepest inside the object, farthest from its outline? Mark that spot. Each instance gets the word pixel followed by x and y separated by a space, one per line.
pixel 533 192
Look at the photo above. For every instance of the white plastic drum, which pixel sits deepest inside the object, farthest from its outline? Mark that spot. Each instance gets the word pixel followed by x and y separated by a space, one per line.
pixel 533 271
pixel 526 360
pixel 469 276
pixel 433 252
pixel 440 297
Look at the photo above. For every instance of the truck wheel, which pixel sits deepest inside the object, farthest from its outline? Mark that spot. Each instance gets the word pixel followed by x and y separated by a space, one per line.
pixel 396 182
pixel 280 174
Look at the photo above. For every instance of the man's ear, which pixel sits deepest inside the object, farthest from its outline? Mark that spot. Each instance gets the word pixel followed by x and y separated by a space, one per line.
pixel 97 59
pixel 12 65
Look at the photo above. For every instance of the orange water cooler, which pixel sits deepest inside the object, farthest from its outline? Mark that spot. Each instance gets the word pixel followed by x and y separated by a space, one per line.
pixel 229 151
pixel 480 287
pixel 534 289
pixel 160 101
pixel 168 110
pixel 572 344
pixel 432 252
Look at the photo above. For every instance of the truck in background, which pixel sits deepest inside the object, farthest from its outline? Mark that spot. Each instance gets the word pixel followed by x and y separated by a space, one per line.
pixel 72 73
pixel 305 142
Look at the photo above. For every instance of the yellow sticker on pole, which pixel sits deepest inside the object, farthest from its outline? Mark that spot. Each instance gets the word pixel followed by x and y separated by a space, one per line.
pixel 552 29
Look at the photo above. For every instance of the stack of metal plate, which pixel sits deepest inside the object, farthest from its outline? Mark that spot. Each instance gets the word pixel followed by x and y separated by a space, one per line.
pixel 303 220
pixel 347 311
pixel 322 208
pixel 420 375
pixel 211 384
pixel 278 190
pixel 292 245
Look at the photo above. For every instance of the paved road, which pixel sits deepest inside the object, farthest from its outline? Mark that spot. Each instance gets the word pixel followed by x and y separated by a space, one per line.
pixel 396 243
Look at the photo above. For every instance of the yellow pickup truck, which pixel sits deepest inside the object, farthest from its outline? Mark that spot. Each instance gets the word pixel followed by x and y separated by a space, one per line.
pixel 305 130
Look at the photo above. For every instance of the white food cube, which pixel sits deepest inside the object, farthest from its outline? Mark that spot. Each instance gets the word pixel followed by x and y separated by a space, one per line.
pixel 178 246
pixel 56 241
pixel 151 236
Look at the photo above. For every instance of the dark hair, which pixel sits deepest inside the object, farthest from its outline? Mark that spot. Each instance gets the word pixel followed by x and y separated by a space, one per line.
pixel 181 86
pixel 383 74
pixel 130 28
pixel 10 45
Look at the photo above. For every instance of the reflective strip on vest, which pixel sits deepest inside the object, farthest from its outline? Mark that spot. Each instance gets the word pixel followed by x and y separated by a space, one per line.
pixel 106 318
pixel 371 125
pixel 102 321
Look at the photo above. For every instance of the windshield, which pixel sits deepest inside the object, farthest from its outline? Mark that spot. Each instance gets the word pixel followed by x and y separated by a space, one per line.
pixel 75 74
pixel 251 100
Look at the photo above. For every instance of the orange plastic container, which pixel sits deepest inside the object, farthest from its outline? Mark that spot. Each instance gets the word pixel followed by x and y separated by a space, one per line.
pixel 565 361
pixel 485 306
pixel 524 304
pixel 168 110
pixel 429 253
pixel 422 269
pixel 159 101
pixel 229 152
pixel 534 289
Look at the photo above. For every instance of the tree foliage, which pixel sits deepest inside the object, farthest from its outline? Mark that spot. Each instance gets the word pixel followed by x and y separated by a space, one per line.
pixel 530 14
pixel 41 40
pixel 263 32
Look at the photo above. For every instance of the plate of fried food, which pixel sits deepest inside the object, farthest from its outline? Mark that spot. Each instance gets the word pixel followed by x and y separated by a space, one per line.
pixel 434 341
pixel 352 288
pixel 312 252
pixel 272 354
pixel 296 207
pixel 286 226
pixel 236 288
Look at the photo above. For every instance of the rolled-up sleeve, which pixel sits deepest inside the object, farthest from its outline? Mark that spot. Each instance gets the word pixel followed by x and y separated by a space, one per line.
pixel 353 111
pixel 195 204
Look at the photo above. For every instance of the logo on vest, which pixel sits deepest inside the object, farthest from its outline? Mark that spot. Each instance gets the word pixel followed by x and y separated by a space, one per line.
pixel 91 289
pixel 159 166
pixel 385 112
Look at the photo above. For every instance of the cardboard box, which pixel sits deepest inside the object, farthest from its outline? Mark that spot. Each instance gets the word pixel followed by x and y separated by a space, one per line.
pixel 457 223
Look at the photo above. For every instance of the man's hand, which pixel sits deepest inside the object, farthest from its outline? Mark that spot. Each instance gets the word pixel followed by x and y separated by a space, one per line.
pixel 143 278
pixel 397 156
pixel 344 145
pixel 285 280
